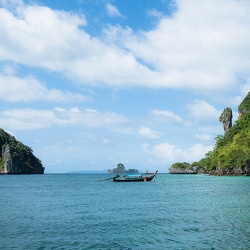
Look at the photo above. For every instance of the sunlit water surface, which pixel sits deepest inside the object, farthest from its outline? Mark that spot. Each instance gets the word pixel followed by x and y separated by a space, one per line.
pixel 77 212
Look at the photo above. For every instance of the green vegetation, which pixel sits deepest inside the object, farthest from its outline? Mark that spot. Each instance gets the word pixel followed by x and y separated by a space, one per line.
pixel 245 105
pixel 231 154
pixel 21 155
pixel 182 165
pixel 1 164
pixel 231 150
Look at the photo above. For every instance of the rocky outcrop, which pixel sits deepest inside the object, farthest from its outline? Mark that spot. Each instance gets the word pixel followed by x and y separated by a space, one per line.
pixel 7 159
pixel 231 154
pixel 120 168
pixel 183 168
pixel 16 158
pixel 182 171
pixel 240 171
pixel 226 118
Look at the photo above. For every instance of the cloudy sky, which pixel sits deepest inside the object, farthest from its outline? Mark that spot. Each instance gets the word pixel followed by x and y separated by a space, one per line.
pixel 91 83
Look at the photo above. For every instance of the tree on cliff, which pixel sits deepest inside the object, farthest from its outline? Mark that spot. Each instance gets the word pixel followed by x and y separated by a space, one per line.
pixel 231 154
pixel 17 158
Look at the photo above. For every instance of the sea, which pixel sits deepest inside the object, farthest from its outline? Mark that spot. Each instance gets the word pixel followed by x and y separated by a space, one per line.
pixel 78 211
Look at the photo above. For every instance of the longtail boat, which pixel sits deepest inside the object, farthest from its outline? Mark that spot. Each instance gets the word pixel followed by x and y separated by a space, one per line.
pixel 134 178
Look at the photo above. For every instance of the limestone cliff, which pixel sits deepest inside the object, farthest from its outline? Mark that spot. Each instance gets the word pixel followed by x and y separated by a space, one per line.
pixel 231 153
pixel 120 168
pixel 16 158
pixel 226 118
pixel 182 171
pixel 182 168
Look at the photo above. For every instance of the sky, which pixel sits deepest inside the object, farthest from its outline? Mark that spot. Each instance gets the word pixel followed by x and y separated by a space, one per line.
pixel 88 84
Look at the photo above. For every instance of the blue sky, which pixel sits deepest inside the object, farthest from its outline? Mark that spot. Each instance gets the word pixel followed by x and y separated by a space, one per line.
pixel 88 84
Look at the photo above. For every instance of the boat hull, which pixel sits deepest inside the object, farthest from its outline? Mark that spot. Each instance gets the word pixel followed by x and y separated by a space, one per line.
pixel 139 179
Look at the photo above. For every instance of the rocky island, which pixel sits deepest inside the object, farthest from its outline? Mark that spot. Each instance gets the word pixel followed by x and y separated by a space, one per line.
pixel 17 158
pixel 183 168
pixel 121 169
pixel 231 154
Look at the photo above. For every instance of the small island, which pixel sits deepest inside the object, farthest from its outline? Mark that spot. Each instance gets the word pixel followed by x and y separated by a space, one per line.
pixel 17 158
pixel 121 169
pixel 231 154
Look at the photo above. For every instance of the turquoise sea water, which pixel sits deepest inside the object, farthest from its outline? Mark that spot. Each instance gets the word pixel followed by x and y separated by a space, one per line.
pixel 77 212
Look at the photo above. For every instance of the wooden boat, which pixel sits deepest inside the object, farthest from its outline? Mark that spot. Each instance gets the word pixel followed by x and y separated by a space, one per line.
pixel 134 178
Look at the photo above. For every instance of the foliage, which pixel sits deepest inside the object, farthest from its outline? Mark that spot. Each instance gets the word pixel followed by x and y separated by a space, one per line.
pixel 181 165
pixel 18 150
pixel 1 164
pixel 232 150
pixel 245 105
pixel 20 153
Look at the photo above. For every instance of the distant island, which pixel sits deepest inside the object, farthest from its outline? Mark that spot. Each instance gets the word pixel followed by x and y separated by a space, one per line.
pixel 17 158
pixel 121 169
pixel 231 154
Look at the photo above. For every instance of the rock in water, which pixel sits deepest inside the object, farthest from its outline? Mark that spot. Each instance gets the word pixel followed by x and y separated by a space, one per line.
pixel 17 158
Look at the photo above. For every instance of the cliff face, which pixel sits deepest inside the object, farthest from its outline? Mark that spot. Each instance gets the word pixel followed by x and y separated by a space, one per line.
pixel 173 170
pixel 231 154
pixel 16 158
pixel 236 171
pixel 121 169
pixel 226 118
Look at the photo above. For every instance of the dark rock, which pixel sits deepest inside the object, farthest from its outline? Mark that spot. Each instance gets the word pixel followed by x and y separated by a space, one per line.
pixel 226 118
pixel 173 170
pixel 121 169
pixel 237 171
pixel 17 158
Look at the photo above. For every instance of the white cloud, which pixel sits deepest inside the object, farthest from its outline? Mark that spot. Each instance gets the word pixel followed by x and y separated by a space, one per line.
pixel 203 111
pixel 167 114
pixel 26 119
pixel 203 46
pixel 39 36
pixel 148 133
pixel 105 141
pixel 171 153
pixel 112 10
pixel 154 13
pixel 244 89
pixel 11 3
pixel 203 137
pixel 28 89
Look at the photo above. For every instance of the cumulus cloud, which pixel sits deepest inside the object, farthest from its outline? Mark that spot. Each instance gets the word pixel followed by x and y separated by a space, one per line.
pixel 202 110
pixel 27 89
pixel 167 114
pixel 202 46
pixel 11 3
pixel 154 13
pixel 203 137
pixel 112 10
pixel 26 119
pixel 171 153
pixel 148 133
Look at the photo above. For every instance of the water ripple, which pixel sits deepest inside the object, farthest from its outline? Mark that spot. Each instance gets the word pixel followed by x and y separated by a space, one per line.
pixel 77 212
